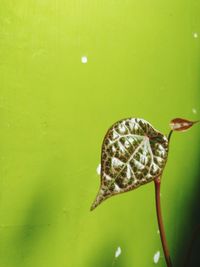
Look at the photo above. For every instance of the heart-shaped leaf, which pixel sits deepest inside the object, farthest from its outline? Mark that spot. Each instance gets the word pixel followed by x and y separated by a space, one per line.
pixel 181 125
pixel 133 154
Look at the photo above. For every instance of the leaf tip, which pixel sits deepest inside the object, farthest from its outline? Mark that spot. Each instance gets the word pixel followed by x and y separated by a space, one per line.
pixel 99 198
pixel 92 207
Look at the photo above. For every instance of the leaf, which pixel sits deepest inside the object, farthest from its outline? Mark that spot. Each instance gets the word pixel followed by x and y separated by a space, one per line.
pixel 133 153
pixel 181 125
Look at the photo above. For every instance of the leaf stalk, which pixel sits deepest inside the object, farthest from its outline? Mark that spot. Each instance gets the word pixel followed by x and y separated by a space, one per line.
pixel 157 183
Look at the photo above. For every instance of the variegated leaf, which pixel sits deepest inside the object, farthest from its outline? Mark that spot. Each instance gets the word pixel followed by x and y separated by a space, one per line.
pixel 133 154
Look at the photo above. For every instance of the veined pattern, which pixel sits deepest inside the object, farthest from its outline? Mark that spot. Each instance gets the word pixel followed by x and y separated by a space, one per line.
pixel 133 153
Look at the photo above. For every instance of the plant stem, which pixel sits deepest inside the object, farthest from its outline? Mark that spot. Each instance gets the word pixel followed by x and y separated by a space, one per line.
pixel 169 135
pixel 157 183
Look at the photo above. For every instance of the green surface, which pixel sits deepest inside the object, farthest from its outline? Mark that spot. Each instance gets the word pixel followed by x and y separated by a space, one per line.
pixel 143 61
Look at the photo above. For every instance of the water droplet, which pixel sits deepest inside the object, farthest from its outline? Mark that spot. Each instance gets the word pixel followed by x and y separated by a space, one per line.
pixel 195 35
pixel 99 169
pixel 118 252
pixel 194 111
pixel 84 59
pixel 156 257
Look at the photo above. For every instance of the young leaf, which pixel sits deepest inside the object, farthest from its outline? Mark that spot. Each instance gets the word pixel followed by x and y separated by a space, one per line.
pixel 181 125
pixel 133 153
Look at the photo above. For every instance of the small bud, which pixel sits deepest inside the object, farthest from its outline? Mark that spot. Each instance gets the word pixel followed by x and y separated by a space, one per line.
pixel 181 125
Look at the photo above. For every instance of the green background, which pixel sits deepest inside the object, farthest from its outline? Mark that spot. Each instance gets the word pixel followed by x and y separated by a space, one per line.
pixel 143 61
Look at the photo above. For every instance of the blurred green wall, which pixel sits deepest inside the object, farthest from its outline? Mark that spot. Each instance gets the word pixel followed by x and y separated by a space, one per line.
pixel 143 61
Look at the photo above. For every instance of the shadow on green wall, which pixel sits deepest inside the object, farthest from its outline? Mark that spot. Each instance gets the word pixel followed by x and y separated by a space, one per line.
pixel 193 220
pixel 40 215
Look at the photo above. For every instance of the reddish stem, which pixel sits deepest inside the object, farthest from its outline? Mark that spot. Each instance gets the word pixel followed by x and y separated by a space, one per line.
pixel 157 183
